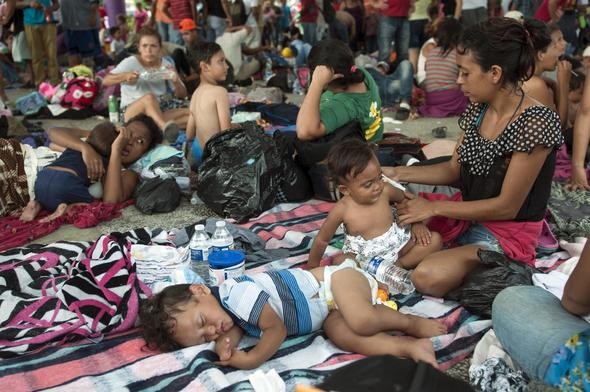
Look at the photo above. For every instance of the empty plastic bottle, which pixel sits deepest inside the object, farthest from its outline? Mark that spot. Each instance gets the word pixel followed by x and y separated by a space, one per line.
pixel 385 271
pixel 200 245
pixel 222 238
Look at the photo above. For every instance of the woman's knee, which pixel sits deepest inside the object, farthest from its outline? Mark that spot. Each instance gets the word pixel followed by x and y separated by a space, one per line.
pixel 426 277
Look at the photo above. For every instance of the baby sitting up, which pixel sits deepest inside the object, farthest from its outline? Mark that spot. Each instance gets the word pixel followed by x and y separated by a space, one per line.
pixel 274 305
pixel 366 214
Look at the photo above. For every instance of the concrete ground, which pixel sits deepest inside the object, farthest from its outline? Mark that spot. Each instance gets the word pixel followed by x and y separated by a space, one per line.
pixel 187 214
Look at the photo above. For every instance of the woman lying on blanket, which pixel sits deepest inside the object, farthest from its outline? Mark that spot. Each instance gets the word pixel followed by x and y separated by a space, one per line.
pixel 549 338
pixel 268 305
pixel 141 94
pixel 365 211
pixel 101 159
pixel 504 161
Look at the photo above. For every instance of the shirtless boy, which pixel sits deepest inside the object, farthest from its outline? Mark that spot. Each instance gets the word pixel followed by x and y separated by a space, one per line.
pixel 209 108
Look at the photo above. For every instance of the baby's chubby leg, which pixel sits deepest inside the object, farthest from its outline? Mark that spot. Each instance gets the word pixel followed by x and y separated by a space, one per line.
pixel 352 295
pixel 413 253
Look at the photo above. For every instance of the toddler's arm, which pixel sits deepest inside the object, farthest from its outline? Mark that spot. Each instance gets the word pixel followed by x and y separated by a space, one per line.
pixel 324 236
pixel 274 333
pixel 421 234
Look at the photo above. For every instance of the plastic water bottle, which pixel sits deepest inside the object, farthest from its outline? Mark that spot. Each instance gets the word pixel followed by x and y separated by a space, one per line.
pixel 222 238
pixel 385 271
pixel 268 69
pixel 113 105
pixel 199 246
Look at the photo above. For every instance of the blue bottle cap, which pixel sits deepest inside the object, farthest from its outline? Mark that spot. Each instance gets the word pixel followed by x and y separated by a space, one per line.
pixel 225 258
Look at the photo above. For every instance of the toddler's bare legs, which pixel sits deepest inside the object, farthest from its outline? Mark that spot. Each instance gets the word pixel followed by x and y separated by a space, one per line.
pixel 339 332
pixel 352 295
pixel 413 253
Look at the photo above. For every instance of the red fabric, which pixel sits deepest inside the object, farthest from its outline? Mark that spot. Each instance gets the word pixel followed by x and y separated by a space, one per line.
pixel 309 11
pixel 517 239
pixel 542 12
pixel 179 10
pixel 15 233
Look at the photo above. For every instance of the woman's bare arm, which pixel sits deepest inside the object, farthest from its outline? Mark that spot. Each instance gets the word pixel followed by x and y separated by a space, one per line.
pixel 576 294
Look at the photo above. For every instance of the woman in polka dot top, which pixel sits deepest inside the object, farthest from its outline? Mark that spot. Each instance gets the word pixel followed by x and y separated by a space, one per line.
pixel 504 161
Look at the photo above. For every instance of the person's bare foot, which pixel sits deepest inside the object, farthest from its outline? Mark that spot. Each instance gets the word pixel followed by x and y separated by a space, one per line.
pixel 30 211
pixel 422 350
pixel 421 327
pixel 59 211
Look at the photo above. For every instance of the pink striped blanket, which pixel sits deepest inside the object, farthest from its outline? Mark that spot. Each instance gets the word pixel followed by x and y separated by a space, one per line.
pixel 88 343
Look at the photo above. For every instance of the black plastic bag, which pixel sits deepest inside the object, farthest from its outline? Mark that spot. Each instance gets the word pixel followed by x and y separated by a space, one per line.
pixel 494 273
pixel 386 373
pixel 240 173
pixel 157 195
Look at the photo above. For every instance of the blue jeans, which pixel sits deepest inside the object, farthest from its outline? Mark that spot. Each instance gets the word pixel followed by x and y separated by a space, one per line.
pixel 310 33
pixel 396 86
pixel 532 325
pixel 396 29
pixel 215 27
pixel 478 234
pixel 169 33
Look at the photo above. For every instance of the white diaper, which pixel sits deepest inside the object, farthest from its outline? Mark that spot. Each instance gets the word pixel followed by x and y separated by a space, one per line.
pixel 326 286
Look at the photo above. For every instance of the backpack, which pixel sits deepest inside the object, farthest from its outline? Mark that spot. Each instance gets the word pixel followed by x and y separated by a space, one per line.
pixel 30 103
pixel 80 93
pixel 241 173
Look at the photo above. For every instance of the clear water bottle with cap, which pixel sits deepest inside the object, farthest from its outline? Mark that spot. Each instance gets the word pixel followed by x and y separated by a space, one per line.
pixel 195 199
pixel 199 246
pixel 222 238
pixel 385 271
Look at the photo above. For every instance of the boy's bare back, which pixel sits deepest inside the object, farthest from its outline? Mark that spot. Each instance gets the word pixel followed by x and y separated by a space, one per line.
pixel 210 110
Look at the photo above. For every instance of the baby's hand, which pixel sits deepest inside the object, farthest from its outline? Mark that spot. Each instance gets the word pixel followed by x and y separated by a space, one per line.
pixel 421 234
pixel 238 359
pixel 224 349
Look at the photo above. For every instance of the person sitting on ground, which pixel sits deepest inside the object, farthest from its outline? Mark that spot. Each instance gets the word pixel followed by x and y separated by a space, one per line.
pixel 338 94
pixel 188 32
pixel 68 179
pixel 549 44
pixel 504 161
pixel 557 349
pixel 117 43
pixel 365 211
pixel 209 107
pixel 300 47
pixel 233 42
pixel 341 299
pixel 578 142
pixel 444 97
pixel 151 97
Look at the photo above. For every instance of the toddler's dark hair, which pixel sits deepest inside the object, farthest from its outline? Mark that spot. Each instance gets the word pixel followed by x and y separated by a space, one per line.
pixel 336 55
pixel 503 42
pixel 349 158
pixel 203 51
pixel 155 131
pixel 102 137
pixel 113 30
pixel 156 316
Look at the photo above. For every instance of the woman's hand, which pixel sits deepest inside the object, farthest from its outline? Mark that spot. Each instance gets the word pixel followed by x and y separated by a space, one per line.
pixel 564 69
pixel 93 162
pixel 121 141
pixel 323 75
pixel 131 77
pixel 578 179
pixel 414 209
pixel 175 78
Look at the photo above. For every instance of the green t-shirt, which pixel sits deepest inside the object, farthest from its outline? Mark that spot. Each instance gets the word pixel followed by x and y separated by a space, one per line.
pixel 337 109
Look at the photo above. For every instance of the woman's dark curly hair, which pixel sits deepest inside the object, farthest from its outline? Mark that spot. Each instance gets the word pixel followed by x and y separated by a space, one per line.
pixel 503 42
pixel 156 316
pixel 349 158
pixel 336 55
pixel 540 34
